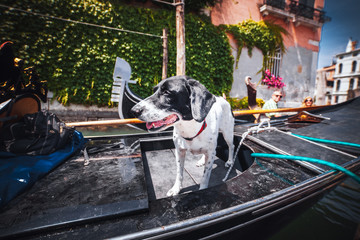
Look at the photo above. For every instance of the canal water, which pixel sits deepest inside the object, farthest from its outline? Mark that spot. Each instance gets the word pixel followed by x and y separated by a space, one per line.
pixel 335 217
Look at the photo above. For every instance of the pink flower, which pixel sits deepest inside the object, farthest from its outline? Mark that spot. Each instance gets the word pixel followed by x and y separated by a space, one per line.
pixel 272 81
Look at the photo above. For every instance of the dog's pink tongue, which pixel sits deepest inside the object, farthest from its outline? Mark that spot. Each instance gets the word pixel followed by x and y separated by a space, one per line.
pixel 149 125
pixel 157 124
pixel 171 119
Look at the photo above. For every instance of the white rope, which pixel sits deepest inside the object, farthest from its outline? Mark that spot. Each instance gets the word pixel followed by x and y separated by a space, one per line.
pixel 255 129
pixel 86 157
pixel 78 22
pixel 260 128
pixel 243 136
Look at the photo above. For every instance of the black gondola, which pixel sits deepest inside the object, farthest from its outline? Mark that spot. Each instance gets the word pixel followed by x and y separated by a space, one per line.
pixel 121 92
pixel 120 191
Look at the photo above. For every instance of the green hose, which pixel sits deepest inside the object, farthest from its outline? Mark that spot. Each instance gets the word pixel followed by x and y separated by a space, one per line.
pixel 328 141
pixel 307 159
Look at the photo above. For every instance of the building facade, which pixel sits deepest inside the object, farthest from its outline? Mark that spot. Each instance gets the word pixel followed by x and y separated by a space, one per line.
pixel 324 85
pixel 340 81
pixel 347 74
pixel 302 19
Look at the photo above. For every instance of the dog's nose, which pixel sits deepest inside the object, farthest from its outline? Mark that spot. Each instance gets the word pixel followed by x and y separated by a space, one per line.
pixel 136 111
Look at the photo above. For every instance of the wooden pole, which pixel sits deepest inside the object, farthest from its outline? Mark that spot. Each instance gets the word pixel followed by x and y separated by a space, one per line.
pixel 105 122
pixel 180 38
pixel 261 111
pixel 136 121
pixel 165 53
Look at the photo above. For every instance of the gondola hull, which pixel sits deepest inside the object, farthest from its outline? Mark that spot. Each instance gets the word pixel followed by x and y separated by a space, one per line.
pixel 121 192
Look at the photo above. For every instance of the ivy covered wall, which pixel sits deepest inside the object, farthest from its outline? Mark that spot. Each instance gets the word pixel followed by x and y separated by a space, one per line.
pixel 77 60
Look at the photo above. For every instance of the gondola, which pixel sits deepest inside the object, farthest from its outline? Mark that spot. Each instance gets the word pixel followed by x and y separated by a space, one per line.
pixel 116 187
pixel 122 93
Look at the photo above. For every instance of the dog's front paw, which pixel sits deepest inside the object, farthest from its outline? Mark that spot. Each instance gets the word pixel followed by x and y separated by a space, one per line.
pixel 201 162
pixel 173 191
pixel 229 163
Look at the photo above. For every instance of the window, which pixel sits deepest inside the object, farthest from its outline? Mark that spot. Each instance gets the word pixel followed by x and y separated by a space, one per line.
pixel 353 66
pixel 306 8
pixel 276 3
pixel 336 99
pixel 351 85
pixel 330 83
pixel 329 100
pixel 340 67
pixel 309 3
pixel 337 85
pixel 273 63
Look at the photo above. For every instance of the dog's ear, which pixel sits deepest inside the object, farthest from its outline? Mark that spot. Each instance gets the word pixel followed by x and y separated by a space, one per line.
pixel 201 100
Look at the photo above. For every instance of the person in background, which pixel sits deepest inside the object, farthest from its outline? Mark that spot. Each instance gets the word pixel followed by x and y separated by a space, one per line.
pixel 272 104
pixel 307 102
pixel 251 90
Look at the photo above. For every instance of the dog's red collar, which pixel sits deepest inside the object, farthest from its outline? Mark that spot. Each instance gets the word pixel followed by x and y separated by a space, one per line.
pixel 200 131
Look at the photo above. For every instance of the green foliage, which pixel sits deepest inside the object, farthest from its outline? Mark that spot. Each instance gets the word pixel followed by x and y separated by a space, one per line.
pixel 78 60
pixel 237 103
pixel 196 5
pixel 264 35
pixel 190 5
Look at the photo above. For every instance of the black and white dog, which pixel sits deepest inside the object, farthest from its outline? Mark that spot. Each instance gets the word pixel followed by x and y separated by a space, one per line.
pixel 197 117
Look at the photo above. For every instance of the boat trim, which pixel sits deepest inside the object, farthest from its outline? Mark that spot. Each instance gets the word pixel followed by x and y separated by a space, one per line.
pixel 319 144
pixel 253 206
pixel 307 165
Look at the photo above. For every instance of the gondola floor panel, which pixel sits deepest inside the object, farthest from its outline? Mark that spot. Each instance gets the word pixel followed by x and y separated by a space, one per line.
pixel 162 167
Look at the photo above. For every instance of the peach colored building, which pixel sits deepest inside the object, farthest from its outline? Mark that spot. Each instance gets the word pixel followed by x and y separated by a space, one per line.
pixel 302 19
pixel 324 85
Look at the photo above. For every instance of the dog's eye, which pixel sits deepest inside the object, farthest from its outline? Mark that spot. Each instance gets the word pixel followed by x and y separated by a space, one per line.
pixel 166 92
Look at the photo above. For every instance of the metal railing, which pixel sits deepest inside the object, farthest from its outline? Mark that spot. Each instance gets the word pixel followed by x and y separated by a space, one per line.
pixel 299 9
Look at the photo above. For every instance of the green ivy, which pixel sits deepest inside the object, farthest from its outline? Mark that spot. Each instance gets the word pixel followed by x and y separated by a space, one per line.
pixel 264 35
pixel 78 60
pixel 197 5
pixel 190 5
pixel 242 103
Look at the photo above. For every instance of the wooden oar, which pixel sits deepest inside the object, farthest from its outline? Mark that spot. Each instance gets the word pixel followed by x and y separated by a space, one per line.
pixel 105 122
pixel 261 111
pixel 136 121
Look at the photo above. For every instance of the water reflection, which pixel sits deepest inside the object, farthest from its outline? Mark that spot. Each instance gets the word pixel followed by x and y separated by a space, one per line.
pixel 336 216
pixel 342 204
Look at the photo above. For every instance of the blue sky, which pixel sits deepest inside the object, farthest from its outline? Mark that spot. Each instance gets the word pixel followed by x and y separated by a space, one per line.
pixel 345 23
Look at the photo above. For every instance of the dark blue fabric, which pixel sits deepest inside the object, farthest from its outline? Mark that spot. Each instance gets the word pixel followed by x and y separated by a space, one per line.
pixel 19 172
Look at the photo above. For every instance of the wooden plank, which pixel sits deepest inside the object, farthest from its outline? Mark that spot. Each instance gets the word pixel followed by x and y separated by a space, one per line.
pixel 105 122
pixel 165 53
pixel 180 38
pixel 263 111
pixel 136 121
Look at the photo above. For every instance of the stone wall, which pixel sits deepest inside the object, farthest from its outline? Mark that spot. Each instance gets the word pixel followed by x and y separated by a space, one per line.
pixel 80 113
